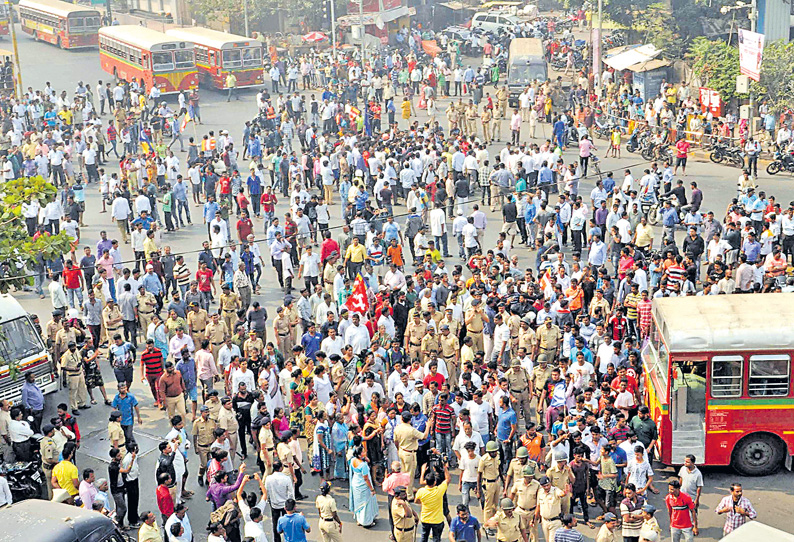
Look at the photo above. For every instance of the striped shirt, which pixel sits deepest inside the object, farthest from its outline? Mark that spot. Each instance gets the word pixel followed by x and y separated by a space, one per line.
pixel 444 414
pixel 182 270
pixel 568 535
pixel 152 361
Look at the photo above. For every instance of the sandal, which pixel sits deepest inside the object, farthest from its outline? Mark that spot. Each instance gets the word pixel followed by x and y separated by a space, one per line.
pixel 107 402
pixel 93 402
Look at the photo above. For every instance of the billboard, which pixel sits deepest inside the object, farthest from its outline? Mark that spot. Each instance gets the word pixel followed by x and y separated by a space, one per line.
pixel 751 50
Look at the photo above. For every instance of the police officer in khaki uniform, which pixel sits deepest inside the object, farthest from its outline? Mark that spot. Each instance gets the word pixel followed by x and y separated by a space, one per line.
pixel 72 365
pixel 561 476
pixel 203 436
pixel 111 317
pixel 405 518
pixel 540 374
pixel 515 469
pixel 429 344
pixel 471 119
pixel 330 524
pixel 406 439
pixel 513 322
pixel 450 351
pixel 64 336
pixel 283 330
pixel 147 304
pixel 526 337
pixel 454 325
pixel 549 339
pixel 525 495
pixel 253 343
pixel 216 332
pixel 520 389
pixel 549 508
pixel 197 320
pixel 475 323
pixel 229 302
pixel 416 331
pixel 507 523
pixel 267 445
pixel 51 330
pixel 49 456
pixel 501 98
pixel 486 125
pixel 489 478
pixel 496 125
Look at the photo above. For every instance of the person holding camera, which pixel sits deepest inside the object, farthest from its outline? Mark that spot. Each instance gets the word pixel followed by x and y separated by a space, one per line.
pixel 431 496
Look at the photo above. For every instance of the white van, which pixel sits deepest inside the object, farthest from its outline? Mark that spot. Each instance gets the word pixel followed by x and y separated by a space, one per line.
pixel 493 21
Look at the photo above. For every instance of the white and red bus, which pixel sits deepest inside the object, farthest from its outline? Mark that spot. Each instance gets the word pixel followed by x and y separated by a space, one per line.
pixel 134 52
pixel 220 53
pixel 69 26
pixel 4 20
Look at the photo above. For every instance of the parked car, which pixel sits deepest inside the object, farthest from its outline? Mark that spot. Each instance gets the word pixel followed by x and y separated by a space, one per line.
pixel 493 22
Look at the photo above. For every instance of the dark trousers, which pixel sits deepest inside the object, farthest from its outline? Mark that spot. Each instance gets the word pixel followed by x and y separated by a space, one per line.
pixel 244 433
pixel 133 496
pixel 434 528
pixel 120 498
pixel 275 514
pixel 582 498
pixel 95 331
pixel 130 331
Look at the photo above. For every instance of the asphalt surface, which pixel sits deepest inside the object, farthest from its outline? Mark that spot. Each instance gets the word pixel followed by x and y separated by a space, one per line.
pixel 772 496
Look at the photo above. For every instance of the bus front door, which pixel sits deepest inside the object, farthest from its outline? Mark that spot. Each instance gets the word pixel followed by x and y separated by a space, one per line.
pixel 688 410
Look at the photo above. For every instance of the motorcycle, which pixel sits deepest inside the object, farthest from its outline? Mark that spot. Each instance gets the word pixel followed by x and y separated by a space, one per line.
pixel 723 153
pixel 25 480
pixel 781 162
pixel 638 140
pixel 655 209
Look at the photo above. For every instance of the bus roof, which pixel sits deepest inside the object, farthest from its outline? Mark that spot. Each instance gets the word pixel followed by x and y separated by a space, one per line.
pixel 526 47
pixel 46 521
pixel 726 322
pixel 754 531
pixel 211 38
pixel 56 7
pixel 10 309
pixel 142 37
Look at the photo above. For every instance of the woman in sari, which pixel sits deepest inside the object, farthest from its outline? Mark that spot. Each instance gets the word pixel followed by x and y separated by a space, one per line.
pixel 363 502
pixel 321 448
pixel 373 439
pixel 280 423
pixel 310 413
pixel 339 447
pixel 297 401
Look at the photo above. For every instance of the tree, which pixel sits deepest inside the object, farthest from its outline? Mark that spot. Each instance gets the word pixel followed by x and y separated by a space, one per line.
pixel 717 65
pixel 16 246
pixel 776 86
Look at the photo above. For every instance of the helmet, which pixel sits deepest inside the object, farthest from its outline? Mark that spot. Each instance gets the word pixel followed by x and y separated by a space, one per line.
pixel 529 470
pixel 506 504
pixel 522 452
pixel 491 446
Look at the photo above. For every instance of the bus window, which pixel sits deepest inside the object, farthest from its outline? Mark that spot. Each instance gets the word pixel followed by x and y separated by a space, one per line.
pixel 769 376
pixel 184 59
pixel 252 57
pixel 232 59
pixel 726 376
pixel 163 61
pixel 76 24
pixel 212 58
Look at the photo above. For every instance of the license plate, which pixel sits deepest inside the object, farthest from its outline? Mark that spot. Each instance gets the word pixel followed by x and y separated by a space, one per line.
pixel 37 477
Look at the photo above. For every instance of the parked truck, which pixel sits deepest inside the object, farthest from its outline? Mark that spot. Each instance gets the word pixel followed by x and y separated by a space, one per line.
pixel 525 64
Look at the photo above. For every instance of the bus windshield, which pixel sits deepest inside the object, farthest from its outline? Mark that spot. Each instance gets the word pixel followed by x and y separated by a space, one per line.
pixel 184 59
pixel 163 61
pixel 523 74
pixel 252 57
pixel 18 340
pixel 81 23
pixel 3 11
pixel 232 58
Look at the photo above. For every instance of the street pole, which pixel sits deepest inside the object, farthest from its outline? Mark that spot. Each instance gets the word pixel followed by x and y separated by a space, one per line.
pixel 333 28
pixel 363 32
pixel 753 27
pixel 18 78
pixel 245 17
pixel 110 11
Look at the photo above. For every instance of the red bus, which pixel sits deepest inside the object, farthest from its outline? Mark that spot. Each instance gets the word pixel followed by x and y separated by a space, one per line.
pixel 134 52
pixel 4 18
pixel 718 380
pixel 219 53
pixel 69 26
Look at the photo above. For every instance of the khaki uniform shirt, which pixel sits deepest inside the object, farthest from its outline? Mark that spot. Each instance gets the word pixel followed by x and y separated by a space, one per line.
pixel 526 339
pixel 197 321
pixel 507 528
pixel 216 332
pixel 111 317
pixel 515 470
pixel 227 419
pixel 402 519
pixel 454 325
pixel 49 452
pixel 72 363
pixel 526 494
pixel 250 344
pixel 52 329
pixel 203 431
pixel 407 437
pixel 326 506
pixel 489 467
pixel 550 503
pixel 548 338
pixel 450 346
pixel 146 303
pixel 430 342
pixel 230 302
pixel 116 434
pixel 215 408
pixel 559 478
pixel 518 379
pixel 476 324
pixel 540 375
pixel 416 333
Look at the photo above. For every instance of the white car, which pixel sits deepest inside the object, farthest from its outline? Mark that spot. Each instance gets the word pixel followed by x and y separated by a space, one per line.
pixel 493 22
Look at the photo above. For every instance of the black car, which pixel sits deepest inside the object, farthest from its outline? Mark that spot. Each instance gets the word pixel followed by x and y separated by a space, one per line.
pixel 45 521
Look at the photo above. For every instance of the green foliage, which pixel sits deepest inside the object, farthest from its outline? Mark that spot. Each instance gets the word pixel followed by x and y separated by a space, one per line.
pixel 16 247
pixel 777 76
pixel 716 64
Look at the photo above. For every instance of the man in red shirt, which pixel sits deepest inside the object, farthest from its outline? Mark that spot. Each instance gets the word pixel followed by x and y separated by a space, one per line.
pixel 683 519
pixel 631 387
pixel 165 503
pixel 681 150
pixel 225 188
pixel 206 285
pixel 434 376
pixel 244 227
pixel 269 201
pixel 73 282
pixel 328 247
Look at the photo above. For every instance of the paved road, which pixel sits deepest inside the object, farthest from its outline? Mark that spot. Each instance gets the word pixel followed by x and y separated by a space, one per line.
pixel 772 496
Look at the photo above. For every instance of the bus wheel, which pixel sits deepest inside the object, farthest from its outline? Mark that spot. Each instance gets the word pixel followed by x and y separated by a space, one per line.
pixel 758 454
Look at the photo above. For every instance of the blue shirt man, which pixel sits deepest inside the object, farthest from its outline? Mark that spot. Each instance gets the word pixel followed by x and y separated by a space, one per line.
pixel 419 421
pixel 32 398
pixel 210 208
pixel 752 249
pixel 670 217
pixel 293 526
pixel 464 529
pixel 311 342
pixel 506 420
pixel 151 283
pixel 126 403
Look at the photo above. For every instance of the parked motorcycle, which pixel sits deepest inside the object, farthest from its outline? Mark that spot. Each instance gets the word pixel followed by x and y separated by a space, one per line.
pixel 723 153
pixel 655 209
pixel 25 480
pixel 781 162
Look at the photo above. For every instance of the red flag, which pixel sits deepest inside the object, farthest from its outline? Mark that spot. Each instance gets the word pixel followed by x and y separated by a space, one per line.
pixel 358 301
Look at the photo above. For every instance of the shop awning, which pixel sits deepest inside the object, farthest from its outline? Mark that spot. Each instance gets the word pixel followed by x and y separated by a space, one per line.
pixel 622 58
pixel 378 19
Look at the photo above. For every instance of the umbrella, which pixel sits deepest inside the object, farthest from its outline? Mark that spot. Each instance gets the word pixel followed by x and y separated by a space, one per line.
pixel 314 37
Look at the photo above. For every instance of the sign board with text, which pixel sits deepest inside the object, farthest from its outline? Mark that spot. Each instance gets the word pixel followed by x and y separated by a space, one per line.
pixel 711 100
pixel 751 51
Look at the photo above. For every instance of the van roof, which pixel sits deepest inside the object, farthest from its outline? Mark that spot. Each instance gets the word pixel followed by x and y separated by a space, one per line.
pixel 45 521
pixel 10 309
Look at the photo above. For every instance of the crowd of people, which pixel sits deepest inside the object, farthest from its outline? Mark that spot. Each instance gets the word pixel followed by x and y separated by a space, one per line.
pixel 397 363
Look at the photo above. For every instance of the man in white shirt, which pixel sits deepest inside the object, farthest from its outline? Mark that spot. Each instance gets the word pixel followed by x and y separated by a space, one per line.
pixel 357 335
